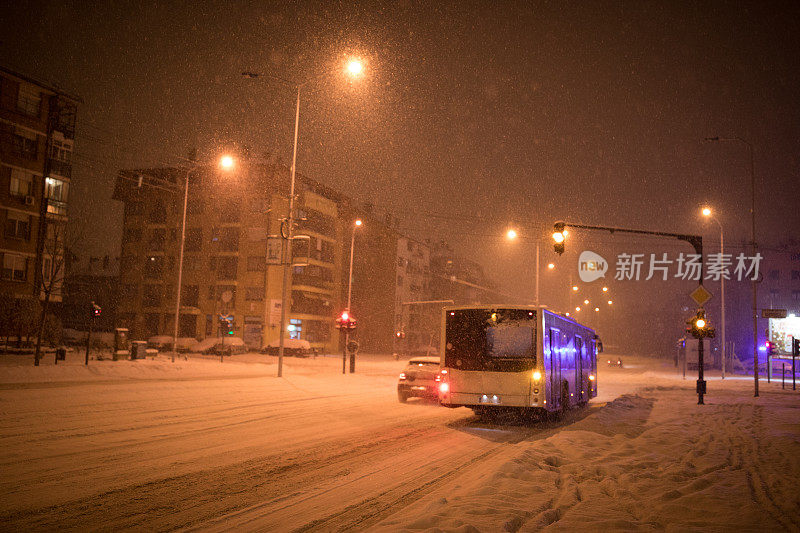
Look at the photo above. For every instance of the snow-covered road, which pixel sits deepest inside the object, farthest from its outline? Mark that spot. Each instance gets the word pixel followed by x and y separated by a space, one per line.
pixel 203 445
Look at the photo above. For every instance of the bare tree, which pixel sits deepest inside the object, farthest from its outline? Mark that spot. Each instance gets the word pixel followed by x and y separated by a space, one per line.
pixel 52 274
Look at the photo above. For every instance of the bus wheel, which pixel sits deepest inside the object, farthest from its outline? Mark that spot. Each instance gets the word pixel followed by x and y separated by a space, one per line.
pixel 402 396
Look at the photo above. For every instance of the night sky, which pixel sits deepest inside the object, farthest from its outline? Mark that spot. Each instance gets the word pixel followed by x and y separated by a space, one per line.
pixel 471 116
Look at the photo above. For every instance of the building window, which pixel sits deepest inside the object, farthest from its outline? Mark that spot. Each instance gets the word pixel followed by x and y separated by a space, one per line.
pixel 61 151
pixel 132 235
pixel 157 241
pixel 795 275
pixel 152 322
pixel 21 183
pixel 190 296
pixel 254 294
pixel 15 267
pixel 24 143
pixel 158 213
pixel 227 267
pixel 151 296
pixel 29 100
pixel 226 239
pixel 154 267
pixel 56 193
pixel 258 206
pixel 191 263
pixel 18 225
pixel 229 211
pixel 256 263
pixel 194 239
pixel 134 208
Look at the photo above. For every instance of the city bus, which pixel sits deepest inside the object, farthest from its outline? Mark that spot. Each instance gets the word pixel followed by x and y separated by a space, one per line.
pixel 515 358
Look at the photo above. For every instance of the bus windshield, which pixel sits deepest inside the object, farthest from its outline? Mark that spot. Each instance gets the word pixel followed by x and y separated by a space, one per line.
pixel 482 339
pixel 512 340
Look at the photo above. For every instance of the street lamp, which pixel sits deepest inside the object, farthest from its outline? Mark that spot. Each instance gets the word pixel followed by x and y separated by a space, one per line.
pixel 354 68
pixel 356 224
pixel 709 214
pixel 226 162
pixel 753 243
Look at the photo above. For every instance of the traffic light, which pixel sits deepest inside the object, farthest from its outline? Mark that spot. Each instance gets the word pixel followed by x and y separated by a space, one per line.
pixel 558 237
pixel 345 321
pixel 770 348
pixel 699 326
pixel 226 325
pixel 95 310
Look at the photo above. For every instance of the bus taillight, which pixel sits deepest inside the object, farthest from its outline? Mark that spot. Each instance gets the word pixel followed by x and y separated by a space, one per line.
pixel 444 387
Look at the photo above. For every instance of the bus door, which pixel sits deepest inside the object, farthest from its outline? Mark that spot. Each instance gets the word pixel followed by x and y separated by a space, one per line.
pixel 580 380
pixel 555 368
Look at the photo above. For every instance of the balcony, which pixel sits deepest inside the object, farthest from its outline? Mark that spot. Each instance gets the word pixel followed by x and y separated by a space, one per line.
pixel 60 168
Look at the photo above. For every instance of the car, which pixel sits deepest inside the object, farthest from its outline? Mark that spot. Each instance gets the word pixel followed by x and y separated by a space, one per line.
pixel 615 362
pixel 419 379
pixel 296 347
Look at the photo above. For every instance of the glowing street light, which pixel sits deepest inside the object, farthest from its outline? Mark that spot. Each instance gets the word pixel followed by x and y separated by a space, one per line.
pixel 610 302
pixel 551 266
pixel 709 214
pixel 354 69
pixel 227 163
pixel 577 308
pixel 597 309
pixel 605 289
pixel 511 234
pixel 586 301
pixel 575 288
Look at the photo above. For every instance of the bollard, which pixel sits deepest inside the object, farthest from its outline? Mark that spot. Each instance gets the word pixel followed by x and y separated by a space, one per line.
pixel 783 375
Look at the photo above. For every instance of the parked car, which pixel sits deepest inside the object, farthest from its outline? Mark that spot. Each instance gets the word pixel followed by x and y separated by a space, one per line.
pixel 418 379
pixel 296 347
pixel 215 346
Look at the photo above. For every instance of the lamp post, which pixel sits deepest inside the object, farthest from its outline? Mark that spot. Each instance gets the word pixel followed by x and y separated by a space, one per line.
pixel 356 224
pixel 354 68
pixel 753 243
pixel 709 214
pixel 511 234
pixel 226 162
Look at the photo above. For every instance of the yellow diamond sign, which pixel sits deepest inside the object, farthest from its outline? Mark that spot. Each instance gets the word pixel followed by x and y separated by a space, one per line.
pixel 700 295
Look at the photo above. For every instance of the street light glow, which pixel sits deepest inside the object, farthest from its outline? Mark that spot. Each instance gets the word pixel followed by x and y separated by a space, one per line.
pixel 605 289
pixel 575 288
pixel 586 302
pixel 577 308
pixel 226 162
pixel 358 222
pixel 558 237
pixel 551 266
pixel 597 309
pixel 355 67
pixel 610 302
pixel 511 234
pixel 706 211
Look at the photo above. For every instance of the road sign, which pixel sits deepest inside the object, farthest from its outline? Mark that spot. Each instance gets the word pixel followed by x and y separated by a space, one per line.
pixel 773 313
pixel 700 295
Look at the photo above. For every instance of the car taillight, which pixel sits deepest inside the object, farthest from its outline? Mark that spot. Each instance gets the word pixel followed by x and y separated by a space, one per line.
pixel 402 375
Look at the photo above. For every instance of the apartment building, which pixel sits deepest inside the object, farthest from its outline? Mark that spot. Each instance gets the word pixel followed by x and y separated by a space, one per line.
pixel 232 256
pixel 37 133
